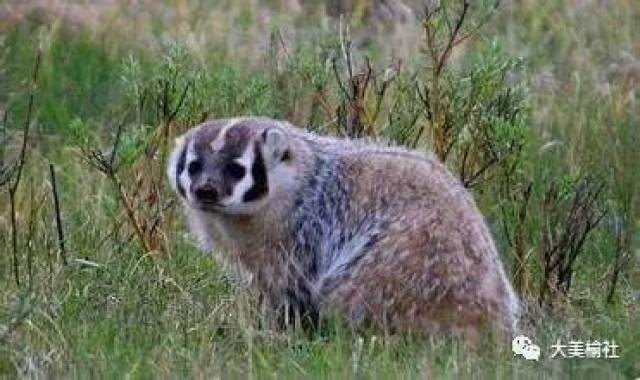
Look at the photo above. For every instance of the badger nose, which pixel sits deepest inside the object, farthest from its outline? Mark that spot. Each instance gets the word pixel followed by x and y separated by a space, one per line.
pixel 206 194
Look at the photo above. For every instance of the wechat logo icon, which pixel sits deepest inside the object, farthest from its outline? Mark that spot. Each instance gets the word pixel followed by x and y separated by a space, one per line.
pixel 521 345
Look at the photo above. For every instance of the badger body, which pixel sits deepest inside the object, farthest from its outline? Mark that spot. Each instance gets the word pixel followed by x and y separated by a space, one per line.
pixel 379 234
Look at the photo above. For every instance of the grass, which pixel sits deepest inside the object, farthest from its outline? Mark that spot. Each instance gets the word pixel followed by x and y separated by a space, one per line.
pixel 567 72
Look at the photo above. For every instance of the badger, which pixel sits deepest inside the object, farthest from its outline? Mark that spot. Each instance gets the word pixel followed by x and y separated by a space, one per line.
pixel 379 235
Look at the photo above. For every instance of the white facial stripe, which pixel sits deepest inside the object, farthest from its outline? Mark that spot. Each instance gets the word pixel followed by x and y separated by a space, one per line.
pixel 246 160
pixel 218 143
pixel 173 161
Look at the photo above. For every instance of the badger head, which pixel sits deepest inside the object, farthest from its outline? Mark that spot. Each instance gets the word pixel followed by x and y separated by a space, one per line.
pixel 232 166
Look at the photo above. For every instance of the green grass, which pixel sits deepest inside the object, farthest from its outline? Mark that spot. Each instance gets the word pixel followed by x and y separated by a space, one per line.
pixel 116 311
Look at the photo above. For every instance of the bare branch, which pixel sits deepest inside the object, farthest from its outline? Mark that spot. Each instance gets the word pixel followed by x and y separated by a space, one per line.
pixel 116 143
pixel 18 170
pixel 568 230
pixel 183 96
pixel 452 38
pixel 56 203
pixel 25 132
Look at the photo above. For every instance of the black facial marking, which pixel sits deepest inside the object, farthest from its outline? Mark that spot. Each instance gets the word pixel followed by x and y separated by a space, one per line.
pixel 286 156
pixel 194 167
pixel 259 174
pixel 179 170
pixel 234 170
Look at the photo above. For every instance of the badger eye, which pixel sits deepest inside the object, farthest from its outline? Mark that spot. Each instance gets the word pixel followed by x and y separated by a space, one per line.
pixel 234 170
pixel 194 167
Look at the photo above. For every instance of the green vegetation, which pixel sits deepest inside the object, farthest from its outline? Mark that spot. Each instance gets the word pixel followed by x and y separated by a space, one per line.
pixel 534 107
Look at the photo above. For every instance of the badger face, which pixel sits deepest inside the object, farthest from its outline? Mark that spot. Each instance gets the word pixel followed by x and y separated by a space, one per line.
pixel 230 166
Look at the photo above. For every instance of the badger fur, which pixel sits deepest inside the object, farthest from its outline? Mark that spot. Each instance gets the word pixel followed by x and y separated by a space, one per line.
pixel 377 234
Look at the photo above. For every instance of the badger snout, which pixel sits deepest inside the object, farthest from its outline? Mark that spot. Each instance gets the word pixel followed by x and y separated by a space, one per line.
pixel 205 193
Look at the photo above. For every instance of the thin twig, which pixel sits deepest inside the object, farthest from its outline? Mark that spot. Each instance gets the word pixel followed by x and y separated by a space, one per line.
pixel 471 182
pixel 452 38
pixel 56 203
pixel 30 231
pixel 100 162
pixel 318 95
pixel 520 274
pixel 582 217
pixel 116 143
pixel 3 133
pixel 14 239
pixel 25 132
pixel 336 73
pixel 345 45
pixel 21 161
pixel 183 96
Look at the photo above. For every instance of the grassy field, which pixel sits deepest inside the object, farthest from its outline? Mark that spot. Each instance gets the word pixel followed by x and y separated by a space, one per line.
pixel 534 105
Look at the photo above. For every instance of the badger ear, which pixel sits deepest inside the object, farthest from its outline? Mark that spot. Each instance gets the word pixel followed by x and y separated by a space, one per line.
pixel 275 145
